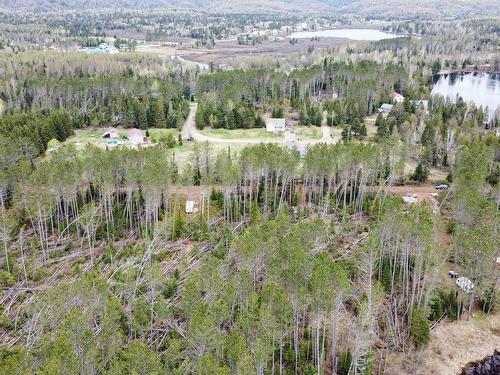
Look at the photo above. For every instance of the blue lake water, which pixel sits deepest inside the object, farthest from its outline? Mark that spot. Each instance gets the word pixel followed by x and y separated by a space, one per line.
pixel 481 88
pixel 352 34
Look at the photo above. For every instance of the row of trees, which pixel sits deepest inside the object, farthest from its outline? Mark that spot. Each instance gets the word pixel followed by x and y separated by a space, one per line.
pixel 241 115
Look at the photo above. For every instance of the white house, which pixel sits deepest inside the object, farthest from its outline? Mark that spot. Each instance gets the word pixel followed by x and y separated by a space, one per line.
pixel 275 125
pixel 396 97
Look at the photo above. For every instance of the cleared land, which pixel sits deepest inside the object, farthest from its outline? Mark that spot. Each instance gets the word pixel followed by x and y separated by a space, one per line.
pixel 93 136
pixel 229 51
pixel 307 132
pixel 238 133
pixel 453 345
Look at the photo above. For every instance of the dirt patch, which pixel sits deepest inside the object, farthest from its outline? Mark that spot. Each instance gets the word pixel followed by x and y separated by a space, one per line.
pixel 454 344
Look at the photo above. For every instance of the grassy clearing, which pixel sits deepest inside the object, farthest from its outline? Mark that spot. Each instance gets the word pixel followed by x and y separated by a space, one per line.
pixel 435 174
pixel 184 153
pixel 156 134
pixel 308 132
pixel 260 133
pixel 82 138
pixel 156 49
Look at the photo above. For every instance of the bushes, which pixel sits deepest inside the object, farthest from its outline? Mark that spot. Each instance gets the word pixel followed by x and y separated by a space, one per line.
pixel 488 300
pixel 345 360
pixel 6 279
pixel 420 332
pixel 421 173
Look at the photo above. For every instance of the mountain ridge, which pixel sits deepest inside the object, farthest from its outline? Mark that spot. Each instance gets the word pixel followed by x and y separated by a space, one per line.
pixel 366 8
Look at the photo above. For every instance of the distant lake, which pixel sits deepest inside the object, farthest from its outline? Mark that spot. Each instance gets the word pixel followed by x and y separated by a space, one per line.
pixel 353 34
pixel 480 88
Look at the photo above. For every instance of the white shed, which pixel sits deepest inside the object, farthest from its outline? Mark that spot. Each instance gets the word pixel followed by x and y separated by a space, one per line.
pixel 189 207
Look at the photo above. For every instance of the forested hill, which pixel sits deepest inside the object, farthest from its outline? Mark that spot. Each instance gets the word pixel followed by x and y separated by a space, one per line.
pixel 367 8
pixel 206 5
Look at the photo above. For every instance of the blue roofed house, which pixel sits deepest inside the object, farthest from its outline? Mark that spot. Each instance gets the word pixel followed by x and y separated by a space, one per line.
pixel 103 48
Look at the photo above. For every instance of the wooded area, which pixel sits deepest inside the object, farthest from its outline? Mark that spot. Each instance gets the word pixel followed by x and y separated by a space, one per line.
pixel 264 258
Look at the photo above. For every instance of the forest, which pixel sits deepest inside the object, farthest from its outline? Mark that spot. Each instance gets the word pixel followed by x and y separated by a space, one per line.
pixel 243 255
pixel 248 285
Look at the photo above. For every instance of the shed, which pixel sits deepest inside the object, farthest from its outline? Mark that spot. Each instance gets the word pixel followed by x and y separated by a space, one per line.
pixel 385 108
pixel 189 207
pixel 422 104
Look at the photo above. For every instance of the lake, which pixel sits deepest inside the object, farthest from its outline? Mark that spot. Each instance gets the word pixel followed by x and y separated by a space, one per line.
pixel 480 88
pixel 352 34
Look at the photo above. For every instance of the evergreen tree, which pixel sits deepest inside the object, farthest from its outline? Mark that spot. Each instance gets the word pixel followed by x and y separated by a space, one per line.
pixel 420 332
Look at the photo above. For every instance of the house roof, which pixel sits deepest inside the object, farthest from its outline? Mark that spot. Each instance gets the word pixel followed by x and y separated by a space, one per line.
pixel 280 122
pixel 394 94
pixel 273 124
pixel 386 106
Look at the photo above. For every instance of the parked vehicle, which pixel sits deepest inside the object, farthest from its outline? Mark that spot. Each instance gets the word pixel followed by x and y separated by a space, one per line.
pixel 442 187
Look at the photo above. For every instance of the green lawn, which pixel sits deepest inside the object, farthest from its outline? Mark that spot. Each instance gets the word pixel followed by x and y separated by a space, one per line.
pixel 184 153
pixel 308 132
pixel 82 137
pixel 155 134
pixel 238 133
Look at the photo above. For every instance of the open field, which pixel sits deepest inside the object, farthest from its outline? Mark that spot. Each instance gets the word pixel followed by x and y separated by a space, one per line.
pixel 307 132
pixel 156 134
pixel 371 129
pixel 238 133
pixel 83 137
pixel 435 175
pixel 228 51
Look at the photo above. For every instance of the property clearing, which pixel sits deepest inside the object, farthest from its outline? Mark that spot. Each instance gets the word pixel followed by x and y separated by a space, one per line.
pixel 260 133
